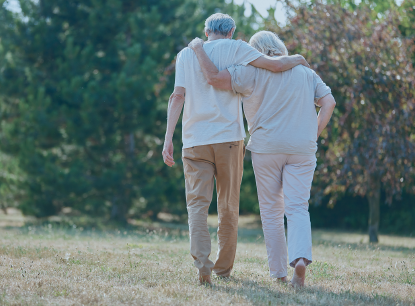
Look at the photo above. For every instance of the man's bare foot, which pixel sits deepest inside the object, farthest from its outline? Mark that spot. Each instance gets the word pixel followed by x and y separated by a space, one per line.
pixel 299 274
pixel 205 279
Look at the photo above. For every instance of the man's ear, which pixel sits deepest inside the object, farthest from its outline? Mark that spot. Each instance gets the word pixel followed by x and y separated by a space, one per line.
pixel 231 33
pixel 206 34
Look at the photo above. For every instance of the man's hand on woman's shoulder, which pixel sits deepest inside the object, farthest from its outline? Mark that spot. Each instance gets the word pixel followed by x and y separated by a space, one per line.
pixel 196 43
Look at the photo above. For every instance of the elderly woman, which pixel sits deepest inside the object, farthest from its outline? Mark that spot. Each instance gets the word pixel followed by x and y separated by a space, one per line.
pixel 284 127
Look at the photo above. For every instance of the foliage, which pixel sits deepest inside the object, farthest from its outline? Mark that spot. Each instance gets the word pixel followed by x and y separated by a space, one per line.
pixel 407 24
pixel 84 86
pixel 10 178
pixel 366 63
pixel 352 212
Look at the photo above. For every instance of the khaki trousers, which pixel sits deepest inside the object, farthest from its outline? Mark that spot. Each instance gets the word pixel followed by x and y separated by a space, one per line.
pixel 223 161
pixel 283 183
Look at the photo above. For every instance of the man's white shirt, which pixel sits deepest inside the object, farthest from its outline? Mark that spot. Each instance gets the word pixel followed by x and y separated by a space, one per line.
pixel 212 115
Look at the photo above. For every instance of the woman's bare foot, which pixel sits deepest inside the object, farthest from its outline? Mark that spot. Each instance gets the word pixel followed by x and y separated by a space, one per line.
pixel 205 279
pixel 299 274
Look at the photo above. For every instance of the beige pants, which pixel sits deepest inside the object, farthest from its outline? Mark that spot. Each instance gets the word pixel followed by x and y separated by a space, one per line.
pixel 223 161
pixel 283 183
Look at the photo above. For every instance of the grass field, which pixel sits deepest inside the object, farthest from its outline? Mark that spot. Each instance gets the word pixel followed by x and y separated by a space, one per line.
pixel 52 266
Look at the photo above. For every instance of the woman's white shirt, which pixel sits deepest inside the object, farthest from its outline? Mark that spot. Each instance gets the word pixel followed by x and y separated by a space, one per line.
pixel 279 108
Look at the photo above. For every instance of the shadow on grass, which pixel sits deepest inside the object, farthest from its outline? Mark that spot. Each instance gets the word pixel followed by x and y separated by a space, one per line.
pixel 259 294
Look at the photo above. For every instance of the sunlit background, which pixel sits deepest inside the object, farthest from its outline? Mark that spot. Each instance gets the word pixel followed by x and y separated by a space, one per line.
pixel 142 133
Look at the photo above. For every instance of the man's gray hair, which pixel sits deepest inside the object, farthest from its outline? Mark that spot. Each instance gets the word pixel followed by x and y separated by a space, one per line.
pixel 268 43
pixel 219 24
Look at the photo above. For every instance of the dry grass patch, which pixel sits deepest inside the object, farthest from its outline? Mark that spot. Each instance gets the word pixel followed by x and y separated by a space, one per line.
pixel 74 267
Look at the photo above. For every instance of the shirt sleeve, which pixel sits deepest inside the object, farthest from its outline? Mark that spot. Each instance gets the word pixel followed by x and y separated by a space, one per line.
pixel 246 54
pixel 320 88
pixel 180 79
pixel 242 79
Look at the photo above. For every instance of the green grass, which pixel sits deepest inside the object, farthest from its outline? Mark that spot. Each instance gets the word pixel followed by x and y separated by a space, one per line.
pixel 56 266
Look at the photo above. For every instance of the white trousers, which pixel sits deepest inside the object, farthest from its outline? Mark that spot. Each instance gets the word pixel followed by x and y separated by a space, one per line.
pixel 283 183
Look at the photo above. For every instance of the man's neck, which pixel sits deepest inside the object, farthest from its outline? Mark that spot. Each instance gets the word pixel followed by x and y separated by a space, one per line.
pixel 213 37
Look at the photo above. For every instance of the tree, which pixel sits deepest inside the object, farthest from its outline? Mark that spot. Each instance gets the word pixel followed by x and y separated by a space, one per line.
pixel 407 24
pixel 369 144
pixel 84 88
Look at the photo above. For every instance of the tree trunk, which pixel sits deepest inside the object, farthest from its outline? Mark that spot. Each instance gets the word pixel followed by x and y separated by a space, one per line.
pixel 118 213
pixel 129 144
pixel 374 208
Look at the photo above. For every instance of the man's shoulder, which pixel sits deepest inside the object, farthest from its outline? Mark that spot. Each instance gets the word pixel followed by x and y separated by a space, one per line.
pixel 185 52
pixel 236 41
pixel 228 43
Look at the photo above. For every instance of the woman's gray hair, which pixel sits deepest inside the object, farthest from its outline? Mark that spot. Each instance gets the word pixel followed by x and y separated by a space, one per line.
pixel 268 43
pixel 219 24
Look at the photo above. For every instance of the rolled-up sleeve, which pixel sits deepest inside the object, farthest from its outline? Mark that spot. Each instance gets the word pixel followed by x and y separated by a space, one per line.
pixel 320 88
pixel 242 79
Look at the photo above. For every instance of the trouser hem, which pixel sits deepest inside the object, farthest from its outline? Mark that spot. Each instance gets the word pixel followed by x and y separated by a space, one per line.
pixel 203 272
pixel 306 261
pixel 223 274
pixel 278 275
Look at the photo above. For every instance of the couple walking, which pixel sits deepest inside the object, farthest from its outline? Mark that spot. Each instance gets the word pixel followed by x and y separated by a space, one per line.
pixel 279 94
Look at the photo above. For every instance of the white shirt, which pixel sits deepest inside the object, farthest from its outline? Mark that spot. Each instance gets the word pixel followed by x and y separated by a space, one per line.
pixel 211 115
pixel 279 108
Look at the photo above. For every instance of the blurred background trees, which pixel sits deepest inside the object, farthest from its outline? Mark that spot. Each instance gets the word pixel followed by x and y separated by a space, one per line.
pixel 84 87
pixel 83 97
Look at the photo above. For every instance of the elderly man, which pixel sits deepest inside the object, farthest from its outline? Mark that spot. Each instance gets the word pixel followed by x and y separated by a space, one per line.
pixel 213 146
